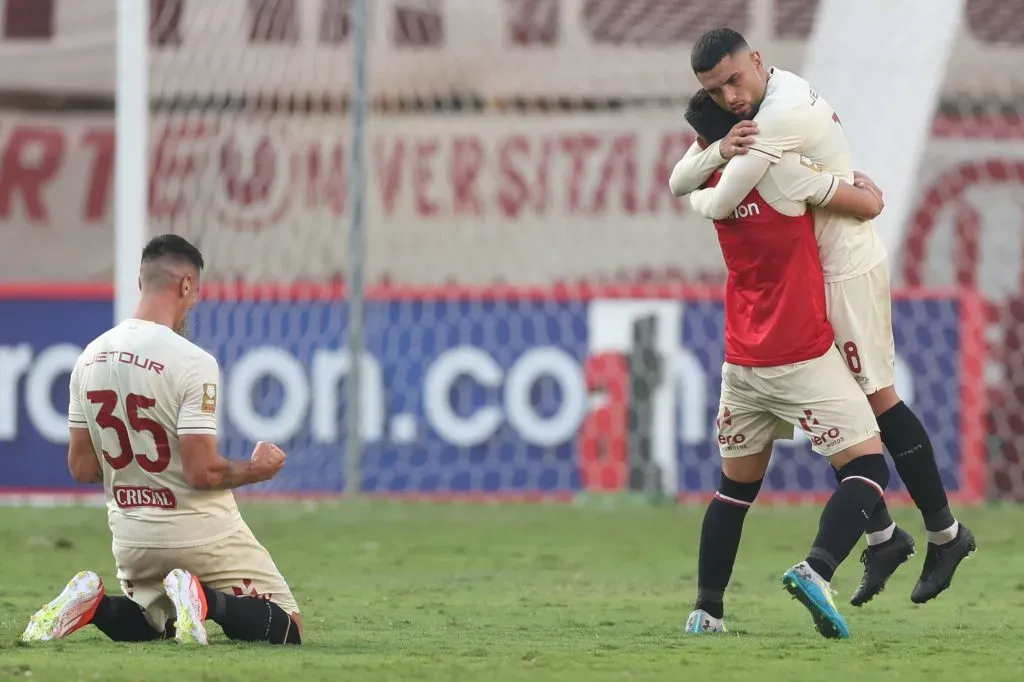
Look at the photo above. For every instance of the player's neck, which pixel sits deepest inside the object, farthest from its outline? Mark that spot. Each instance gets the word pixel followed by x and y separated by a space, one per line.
pixel 154 311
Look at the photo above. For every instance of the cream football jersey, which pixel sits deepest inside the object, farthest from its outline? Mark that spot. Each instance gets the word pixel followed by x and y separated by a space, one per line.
pixel 794 118
pixel 137 388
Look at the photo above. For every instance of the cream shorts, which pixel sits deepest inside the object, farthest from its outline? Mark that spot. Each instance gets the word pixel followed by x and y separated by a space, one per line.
pixel 237 565
pixel 760 405
pixel 860 310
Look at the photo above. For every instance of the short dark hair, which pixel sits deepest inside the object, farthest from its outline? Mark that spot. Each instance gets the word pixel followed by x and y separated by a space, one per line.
pixel 711 121
pixel 175 246
pixel 713 47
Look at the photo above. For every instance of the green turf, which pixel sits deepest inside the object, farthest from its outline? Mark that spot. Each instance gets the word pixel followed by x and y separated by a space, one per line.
pixel 409 592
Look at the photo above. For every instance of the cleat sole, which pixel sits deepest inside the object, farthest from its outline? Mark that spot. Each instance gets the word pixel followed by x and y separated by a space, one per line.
pixel 71 610
pixel 186 595
pixel 825 625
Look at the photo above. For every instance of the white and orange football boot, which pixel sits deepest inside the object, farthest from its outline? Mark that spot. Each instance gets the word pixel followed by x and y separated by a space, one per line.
pixel 72 610
pixel 185 592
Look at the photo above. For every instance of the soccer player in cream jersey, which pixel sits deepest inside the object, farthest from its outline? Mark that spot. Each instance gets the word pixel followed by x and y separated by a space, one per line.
pixel 143 421
pixel 789 116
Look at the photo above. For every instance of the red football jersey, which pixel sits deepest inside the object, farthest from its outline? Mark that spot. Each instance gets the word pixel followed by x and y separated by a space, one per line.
pixel 775 292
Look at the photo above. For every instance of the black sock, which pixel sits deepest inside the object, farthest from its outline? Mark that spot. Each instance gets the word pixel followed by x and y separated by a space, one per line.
pixel 911 450
pixel 720 540
pixel 121 619
pixel 880 518
pixel 846 513
pixel 249 619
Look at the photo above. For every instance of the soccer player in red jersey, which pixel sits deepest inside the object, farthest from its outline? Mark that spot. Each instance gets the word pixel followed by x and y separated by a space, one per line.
pixel 782 370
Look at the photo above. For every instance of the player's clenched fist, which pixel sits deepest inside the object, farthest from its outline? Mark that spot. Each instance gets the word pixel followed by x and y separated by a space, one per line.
pixel 268 459
pixel 739 140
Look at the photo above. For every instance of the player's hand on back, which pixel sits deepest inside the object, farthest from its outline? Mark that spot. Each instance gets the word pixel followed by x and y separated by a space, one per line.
pixel 864 182
pixel 268 459
pixel 739 140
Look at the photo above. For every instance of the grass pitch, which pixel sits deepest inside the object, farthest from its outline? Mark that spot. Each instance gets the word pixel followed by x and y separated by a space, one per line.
pixel 423 592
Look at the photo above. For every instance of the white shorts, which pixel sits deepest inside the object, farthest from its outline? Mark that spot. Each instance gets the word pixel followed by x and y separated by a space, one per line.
pixel 860 310
pixel 760 405
pixel 237 565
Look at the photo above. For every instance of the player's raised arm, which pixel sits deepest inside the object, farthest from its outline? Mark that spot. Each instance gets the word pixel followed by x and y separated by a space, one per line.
pixel 83 463
pixel 203 467
pixel 739 178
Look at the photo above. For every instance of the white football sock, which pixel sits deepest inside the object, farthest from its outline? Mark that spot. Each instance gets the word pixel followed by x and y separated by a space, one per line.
pixel 941 537
pixel 880 536
pixel 814 573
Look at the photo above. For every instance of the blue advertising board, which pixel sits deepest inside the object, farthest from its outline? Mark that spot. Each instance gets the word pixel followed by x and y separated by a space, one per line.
pixel 491 397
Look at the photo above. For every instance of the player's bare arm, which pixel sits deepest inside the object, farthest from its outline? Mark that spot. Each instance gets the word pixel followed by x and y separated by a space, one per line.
pixel 206 469
pixel 701 160
pixel 863 181
pixel 83 463
pixel 859 202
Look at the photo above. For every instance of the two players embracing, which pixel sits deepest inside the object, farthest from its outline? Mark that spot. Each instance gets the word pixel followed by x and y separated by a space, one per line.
pixel 809 340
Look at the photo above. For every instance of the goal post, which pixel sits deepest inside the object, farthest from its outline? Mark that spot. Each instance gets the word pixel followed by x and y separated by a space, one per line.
pixel 131 175
pixel 357 247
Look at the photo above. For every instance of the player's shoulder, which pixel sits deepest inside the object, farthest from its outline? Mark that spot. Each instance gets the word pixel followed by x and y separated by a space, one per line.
pixel 787 88
pixel 103 342
pixel 185 348
pixel 167 343
pixel 787 95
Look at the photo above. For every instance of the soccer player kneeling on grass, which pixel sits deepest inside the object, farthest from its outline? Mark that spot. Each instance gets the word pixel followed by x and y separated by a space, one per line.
pixel 142 415
pixel 782 370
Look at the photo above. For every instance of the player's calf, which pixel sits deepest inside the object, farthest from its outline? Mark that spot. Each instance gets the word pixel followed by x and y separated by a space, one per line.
pixel 863 479
pixel 911 449
pixel 242 618
pixel 720 537
pixel 719 542
pixel 888 548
